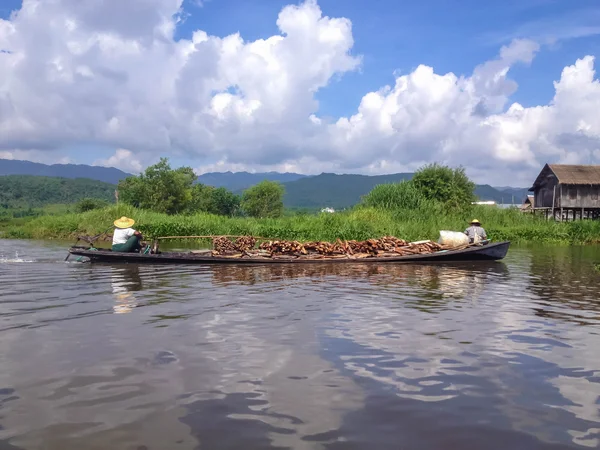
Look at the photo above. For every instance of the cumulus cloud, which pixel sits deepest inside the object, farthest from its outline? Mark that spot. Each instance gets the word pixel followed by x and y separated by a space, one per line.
pixel 122 159
pixel 39 156
pixel 112 73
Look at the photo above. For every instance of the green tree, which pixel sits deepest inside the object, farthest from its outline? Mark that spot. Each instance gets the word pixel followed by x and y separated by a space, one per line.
pixel 214 200
pixel 30 191
pixel 403 195
pixel 160 188
pixel 446 185
pixel 264 199
pixel 225 202
pixel 202 198
pixel 89 204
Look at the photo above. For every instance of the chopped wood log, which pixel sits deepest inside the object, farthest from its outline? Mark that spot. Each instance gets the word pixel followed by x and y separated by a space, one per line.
pixel 245 243
pixel 245 246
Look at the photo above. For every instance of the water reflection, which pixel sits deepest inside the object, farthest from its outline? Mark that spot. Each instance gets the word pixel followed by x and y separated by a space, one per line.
pixel 124 281
pixel 430 273
pixel 565 278
pixel 434 284
pixel 305 357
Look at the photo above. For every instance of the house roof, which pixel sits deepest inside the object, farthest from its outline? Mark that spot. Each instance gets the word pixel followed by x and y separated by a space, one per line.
pixel 568 174
pixel 528 201
pixel 571 174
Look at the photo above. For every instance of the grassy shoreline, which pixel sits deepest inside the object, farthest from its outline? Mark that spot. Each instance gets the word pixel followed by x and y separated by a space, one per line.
pixel 359 223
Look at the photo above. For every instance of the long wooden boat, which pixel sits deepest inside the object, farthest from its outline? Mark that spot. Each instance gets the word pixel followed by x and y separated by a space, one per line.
pixel 488 252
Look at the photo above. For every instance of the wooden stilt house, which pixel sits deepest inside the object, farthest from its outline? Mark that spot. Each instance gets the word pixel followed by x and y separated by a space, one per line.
pixel 527 205
pixel 567 192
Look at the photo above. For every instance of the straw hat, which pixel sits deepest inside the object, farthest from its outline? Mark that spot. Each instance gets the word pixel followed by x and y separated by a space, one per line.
pixel 475 221
pixel 124 222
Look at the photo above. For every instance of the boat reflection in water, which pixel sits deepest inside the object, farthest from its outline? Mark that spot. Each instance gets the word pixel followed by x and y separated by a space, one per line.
pixel 124 281
pixel 436 283
pixel 429 286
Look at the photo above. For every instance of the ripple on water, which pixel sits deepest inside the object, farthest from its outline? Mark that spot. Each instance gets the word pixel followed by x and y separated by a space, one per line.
pixel 499 355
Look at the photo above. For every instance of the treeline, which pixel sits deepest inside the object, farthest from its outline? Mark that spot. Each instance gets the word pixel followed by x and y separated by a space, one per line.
pixel 167 202
pixel 170 191
pixel 24 191
pixel 31 196
pixel 159 188
pixel 175 191
pixel 432 187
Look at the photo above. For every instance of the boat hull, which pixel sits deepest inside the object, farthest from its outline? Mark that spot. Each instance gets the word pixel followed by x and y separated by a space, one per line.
pixel 489 252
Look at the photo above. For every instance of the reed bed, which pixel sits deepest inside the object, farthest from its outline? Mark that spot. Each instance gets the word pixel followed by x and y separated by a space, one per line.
pixel 410 222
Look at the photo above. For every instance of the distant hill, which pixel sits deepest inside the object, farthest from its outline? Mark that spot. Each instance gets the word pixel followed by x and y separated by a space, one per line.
pixel 28 191
pixel 339 191
pixel 506 195
pixel 302 191
pixel 236 181
pixel 105 174
pixel 519 193
pixel 509 188
pixel 336 191
pixel 343 191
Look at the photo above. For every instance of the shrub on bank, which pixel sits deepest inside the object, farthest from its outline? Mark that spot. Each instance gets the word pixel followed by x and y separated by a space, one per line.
pixel 359 223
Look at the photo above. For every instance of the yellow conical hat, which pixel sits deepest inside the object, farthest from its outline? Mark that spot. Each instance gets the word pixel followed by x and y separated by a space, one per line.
pixel 124 222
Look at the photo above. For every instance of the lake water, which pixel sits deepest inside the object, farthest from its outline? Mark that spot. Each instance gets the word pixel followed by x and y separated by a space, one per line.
pixel 492 356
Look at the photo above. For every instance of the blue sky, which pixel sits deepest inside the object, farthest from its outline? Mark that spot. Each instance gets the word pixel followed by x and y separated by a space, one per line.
pixel 450 36
pixel 394 37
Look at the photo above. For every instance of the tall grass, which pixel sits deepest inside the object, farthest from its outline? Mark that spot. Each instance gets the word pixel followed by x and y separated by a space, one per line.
pixel 398 196
pixel 367 221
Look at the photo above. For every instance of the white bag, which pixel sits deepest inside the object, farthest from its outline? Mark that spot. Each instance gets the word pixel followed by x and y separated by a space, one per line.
pixel 453 238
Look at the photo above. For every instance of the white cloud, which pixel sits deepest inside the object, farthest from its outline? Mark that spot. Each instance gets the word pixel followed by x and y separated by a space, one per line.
pixel 122 159
pixel 199 3
pixel 579 21
pixel 74 72
pixel 35 155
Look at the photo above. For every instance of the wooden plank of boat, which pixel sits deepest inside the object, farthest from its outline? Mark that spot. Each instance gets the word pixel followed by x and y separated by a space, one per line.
pixel 491 251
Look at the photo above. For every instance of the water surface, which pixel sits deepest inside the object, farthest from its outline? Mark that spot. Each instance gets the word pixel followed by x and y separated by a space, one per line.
pixel 490 356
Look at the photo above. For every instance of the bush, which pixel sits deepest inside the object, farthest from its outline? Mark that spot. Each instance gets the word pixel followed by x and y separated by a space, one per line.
pixel 360 223
pixel 160 188
pixel 213 200
pixel 264 200
pixel 89 204
pixel 403 195
pixel 446 185
pixel 172 191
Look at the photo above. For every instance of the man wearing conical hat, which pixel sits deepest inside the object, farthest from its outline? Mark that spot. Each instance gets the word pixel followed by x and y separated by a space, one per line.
pixel 476 232
pixel 125 238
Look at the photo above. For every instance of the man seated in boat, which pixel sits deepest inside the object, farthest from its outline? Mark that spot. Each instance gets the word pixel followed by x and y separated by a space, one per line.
pixel 125 238
pixel 475 232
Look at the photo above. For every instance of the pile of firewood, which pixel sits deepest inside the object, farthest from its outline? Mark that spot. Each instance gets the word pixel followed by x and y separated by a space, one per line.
pixel 370 247
pixel 222 245
pixel 245 243
pixel 385 246
pixel 376 246
pixel 284 247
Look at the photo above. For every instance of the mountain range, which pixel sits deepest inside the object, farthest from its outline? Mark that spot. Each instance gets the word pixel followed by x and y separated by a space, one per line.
pixel 31 191
pixel 338 191
pixel 302 191
pixel 99 173
pixel 238 181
